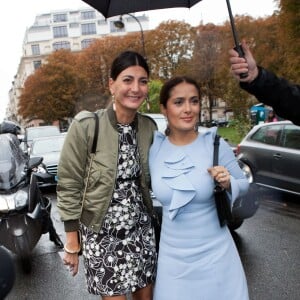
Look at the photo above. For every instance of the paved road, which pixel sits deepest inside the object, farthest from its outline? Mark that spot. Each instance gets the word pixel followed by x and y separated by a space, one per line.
pixel 268 244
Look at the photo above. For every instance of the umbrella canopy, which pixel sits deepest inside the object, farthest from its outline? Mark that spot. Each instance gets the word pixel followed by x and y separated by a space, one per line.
pixel 110 8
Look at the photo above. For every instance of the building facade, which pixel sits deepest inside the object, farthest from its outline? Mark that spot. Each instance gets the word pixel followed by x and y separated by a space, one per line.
pixel 63 29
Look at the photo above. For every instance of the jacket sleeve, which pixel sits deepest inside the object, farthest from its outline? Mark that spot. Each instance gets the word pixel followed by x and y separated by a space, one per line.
pixel 277 92
pixel 71 173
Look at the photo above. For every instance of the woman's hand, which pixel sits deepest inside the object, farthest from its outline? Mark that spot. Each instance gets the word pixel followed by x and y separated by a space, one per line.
pixel 221 175
pixel 72 248
pixel 71 261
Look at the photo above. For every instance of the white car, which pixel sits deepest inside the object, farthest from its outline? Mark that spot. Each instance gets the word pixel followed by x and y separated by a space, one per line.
pixel 49 148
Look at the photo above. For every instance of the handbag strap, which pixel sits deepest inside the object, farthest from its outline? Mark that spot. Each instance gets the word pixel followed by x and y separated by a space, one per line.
pixel 216 150
pixel 216 154
pixel 93 152
pixel 95 140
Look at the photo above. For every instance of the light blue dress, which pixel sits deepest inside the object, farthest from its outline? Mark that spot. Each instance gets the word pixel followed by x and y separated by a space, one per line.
pixel 198 259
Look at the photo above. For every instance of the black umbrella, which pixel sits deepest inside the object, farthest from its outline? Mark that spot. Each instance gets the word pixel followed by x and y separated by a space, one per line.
pixel 110 8
pixel 119 7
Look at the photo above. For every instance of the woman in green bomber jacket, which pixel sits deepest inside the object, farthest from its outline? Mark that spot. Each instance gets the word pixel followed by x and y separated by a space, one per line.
pixel 113 214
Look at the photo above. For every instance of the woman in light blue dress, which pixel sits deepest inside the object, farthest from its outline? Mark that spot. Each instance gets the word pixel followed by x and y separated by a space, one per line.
pixel 198 259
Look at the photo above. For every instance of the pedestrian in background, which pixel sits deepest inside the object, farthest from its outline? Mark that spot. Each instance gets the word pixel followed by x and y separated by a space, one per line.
pixel 271 117
pixel 114 217
pixel 277 92
pixel 197 258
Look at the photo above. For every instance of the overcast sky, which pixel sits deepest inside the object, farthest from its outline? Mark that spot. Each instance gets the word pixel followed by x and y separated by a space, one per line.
pixel 18 15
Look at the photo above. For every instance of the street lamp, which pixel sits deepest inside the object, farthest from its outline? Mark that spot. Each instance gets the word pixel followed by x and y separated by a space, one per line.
pixel 120 24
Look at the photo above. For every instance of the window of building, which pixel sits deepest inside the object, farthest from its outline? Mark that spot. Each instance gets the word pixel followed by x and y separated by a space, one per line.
pixel 85 43
pixel 88 15
pixel 89 28
pixel 73 25
pixel 37 64
pixel 102 22
pixel 35 49
pixel 60 18
pixel 61 45
pixel 60 31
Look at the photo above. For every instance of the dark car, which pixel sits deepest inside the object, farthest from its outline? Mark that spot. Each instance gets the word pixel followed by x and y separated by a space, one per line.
pixel 270 156
pixel 49 148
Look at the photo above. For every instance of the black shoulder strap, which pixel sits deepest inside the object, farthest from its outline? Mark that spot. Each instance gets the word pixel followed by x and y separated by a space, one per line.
pixel 216 150
pixel 95 140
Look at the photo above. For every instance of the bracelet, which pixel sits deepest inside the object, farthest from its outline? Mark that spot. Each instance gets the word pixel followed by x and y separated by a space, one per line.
pixel 71 251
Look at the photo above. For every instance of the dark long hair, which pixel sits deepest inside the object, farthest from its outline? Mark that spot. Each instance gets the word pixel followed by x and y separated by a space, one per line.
pixel 170 84
pixel 125 60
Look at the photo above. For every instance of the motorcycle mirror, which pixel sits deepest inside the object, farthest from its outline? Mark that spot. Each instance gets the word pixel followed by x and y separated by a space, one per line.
pixel 34 162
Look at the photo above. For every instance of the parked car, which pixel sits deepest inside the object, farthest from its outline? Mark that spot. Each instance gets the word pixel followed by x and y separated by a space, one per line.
pixel 270 156
pixel 49 148
pixel 32 133
pixel 160 120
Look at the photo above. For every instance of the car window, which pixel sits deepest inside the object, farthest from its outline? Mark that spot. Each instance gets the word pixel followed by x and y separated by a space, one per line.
pixel 48 145
pixel 291 137
pixel 268 134
pixel 36 132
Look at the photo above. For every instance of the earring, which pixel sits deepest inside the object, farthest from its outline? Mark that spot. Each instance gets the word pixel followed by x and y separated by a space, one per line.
pixel 147 103
pixel 167 131
pixel 113 98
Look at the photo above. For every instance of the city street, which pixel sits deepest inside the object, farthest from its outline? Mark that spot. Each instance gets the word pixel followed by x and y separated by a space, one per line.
pixel 268 244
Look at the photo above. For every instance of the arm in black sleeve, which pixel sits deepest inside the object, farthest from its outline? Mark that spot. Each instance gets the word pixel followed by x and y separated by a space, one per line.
pixel 277 92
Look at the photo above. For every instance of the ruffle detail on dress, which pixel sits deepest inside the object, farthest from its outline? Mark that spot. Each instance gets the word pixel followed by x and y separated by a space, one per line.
pixel 178 165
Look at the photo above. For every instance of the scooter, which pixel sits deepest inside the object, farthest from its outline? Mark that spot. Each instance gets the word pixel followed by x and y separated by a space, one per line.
pixel 25 214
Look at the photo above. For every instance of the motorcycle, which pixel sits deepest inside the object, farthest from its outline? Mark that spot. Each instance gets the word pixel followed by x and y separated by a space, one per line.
pixel 25 214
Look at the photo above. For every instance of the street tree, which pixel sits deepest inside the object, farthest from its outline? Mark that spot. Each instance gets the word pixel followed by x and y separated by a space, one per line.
pixel 169 48
pixel 52 91
pixel 289 21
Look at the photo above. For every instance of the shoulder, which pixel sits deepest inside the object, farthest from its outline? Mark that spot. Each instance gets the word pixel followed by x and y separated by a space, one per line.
pixel 157 143
pixel 84 114
pixel 208 134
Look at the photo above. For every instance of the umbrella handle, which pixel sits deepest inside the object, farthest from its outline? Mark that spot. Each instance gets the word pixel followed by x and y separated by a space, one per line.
pixel 239 49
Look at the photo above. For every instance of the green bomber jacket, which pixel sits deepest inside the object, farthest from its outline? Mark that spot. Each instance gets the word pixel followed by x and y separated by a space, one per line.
pixel 74 162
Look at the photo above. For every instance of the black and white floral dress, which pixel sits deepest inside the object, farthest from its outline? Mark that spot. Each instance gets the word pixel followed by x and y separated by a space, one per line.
pixel 122 257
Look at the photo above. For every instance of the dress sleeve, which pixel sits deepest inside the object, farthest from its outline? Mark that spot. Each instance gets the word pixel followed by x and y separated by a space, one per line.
pixel 239 183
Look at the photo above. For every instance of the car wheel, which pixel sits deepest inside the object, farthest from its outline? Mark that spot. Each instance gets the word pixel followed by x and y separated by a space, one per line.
pixel 247 171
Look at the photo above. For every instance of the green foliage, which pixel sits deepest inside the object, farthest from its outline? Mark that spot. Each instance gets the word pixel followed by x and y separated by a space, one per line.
pixel 241 125
pixel 154 90
pixel 236 130
pixel 229 134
